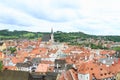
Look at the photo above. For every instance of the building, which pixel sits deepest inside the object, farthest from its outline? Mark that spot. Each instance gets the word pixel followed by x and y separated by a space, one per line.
pixel 15 75
pixel 1 56
pixel 48 38
pixel 2 46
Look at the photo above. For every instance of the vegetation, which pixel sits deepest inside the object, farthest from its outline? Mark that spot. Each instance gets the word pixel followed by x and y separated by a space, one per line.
pixel 116 48
pixel 59 35
pixel 1 65
pixel 12 49
pixel 73 38
pixel 6 34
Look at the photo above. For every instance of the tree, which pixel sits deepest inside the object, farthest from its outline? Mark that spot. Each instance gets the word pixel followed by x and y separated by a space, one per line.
pixel 1 65
pixel 12 49
pixel 116 48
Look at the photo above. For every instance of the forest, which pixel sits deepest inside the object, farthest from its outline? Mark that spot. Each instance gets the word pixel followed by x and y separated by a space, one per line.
pixel 58 35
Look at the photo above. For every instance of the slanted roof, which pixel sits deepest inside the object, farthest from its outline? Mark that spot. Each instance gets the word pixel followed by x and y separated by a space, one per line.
pixel 69 75
pixel 59 61
pixel 26 64
pixel 108 61
pixel 15 75
pixel 16 60
pixel 99 71
pixel 46 37
pixel 36 60
pixel 42 68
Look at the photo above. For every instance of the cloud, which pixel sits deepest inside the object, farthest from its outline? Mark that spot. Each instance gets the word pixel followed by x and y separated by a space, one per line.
pixel 90 16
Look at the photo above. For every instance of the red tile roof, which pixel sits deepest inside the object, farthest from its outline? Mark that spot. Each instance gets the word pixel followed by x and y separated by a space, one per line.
pixel 100 71
pixel 41 51
pixel 42 68
pixel 68 75
pixel 10 67
pixel 17 60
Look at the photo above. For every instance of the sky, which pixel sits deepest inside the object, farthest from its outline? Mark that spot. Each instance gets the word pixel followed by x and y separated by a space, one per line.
pixel 97 17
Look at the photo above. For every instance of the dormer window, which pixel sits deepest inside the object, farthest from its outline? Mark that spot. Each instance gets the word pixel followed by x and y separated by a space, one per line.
pixel 101 74
pixel 91 68
pixel 109 73
pixel 101 69
pixel 105 74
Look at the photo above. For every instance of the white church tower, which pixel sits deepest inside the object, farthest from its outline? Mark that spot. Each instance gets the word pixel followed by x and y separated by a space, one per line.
pixel 52 35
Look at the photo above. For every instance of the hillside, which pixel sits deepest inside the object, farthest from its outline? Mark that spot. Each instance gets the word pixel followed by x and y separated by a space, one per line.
pixel 59 36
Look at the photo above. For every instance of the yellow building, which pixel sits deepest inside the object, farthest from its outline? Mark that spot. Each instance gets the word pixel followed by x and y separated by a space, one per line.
pixel 118 76
pixel 2 46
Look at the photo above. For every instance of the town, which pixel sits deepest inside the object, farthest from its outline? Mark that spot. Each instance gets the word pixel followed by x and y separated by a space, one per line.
pixel 45 59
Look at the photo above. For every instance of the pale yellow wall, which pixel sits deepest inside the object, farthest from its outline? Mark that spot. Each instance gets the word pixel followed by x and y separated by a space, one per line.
pixel 118 76
pixel 3 47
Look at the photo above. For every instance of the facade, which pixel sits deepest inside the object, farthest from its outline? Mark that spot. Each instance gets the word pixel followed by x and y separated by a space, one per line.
pixel 2 46
pixel 83 76
pixel 59 65
pixel 1 56
pixel 118 76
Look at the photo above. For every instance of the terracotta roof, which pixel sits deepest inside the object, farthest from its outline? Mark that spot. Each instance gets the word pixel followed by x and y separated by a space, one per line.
pixel 1 55
pixel 42 68
pixel 100 71
pixel 69 75
pixel 51 69
pixel 22 54
pixel 10 67
pixel 53 51
pixel 67 51
pixel 74 74
pixel 40 51
pixel 110 52
pixel 17 60
pixel 47 62
pixel 115 68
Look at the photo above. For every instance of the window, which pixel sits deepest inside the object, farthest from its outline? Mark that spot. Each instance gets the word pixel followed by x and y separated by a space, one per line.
pixel 105 74
pixel 93 74
pixel 91 68
pixel 101 74
pixel 109 73
pixel 87 77
pixel 101 69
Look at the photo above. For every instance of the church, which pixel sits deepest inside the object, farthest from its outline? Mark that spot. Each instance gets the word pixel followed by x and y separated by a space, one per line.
pixel 48 38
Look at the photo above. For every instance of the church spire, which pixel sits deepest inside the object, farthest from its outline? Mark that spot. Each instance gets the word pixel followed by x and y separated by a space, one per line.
pixel 51 30
pixel 52 35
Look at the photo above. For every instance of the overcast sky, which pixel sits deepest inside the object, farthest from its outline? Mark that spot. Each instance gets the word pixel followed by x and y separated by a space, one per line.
pixel 99 17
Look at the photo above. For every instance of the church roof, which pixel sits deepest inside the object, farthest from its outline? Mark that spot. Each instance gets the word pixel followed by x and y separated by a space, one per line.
pixel 46 37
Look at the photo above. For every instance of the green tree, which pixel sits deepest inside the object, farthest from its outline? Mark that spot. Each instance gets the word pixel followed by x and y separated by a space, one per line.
pixel 12 49
pixel 1 65
pixel 116 48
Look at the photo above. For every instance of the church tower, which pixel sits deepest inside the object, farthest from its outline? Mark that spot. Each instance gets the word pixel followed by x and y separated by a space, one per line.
pixel 52 35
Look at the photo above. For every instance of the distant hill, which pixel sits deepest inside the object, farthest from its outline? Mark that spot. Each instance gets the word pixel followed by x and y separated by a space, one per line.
pixel 62 36
pixel 59 35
